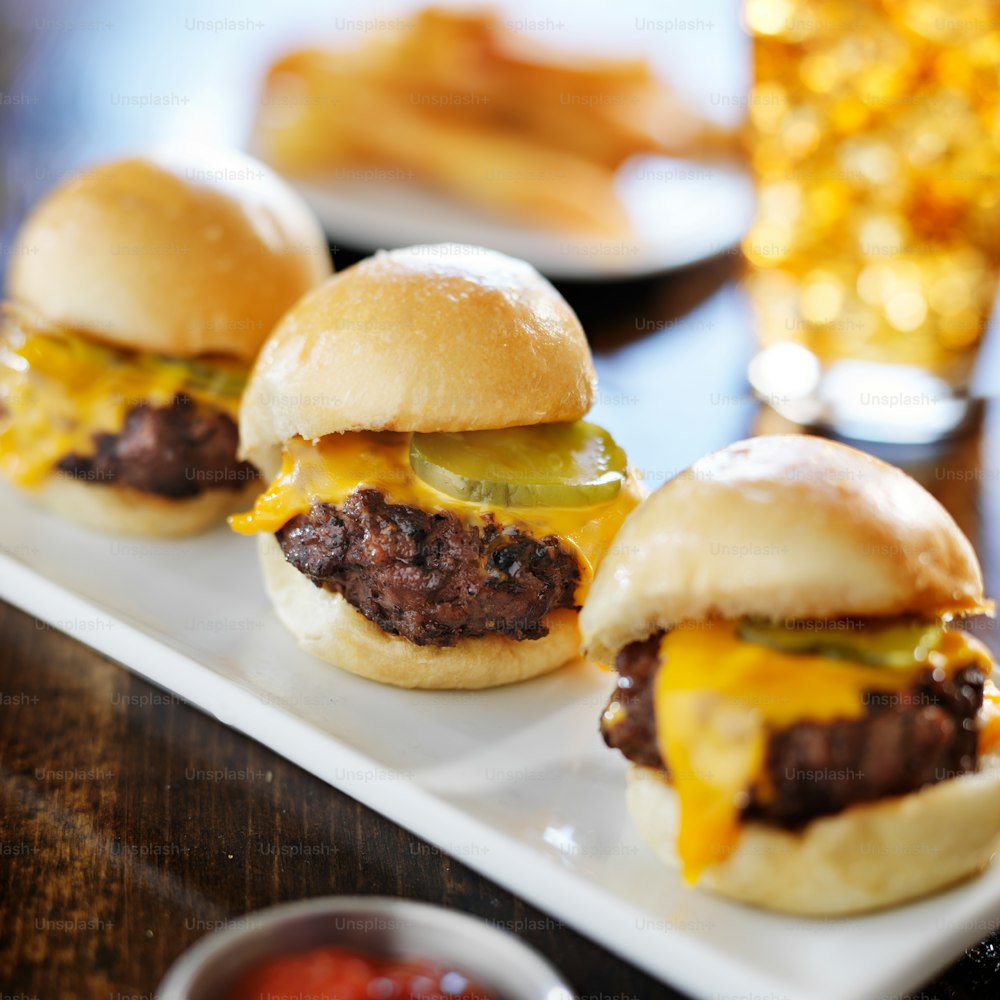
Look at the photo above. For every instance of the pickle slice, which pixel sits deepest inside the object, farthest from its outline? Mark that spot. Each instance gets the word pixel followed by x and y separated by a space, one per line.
pixel 897 644
pixel 547 465
pixel 220 378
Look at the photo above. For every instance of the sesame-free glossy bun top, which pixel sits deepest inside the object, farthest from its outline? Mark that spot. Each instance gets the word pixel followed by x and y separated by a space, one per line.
pixel 181 252
pixel 784 527
pixel 444 337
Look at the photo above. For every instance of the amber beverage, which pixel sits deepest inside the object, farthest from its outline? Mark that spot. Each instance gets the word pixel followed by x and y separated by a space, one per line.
pixel 874 134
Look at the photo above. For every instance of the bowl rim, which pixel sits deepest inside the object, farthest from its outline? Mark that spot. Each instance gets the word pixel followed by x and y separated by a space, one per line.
pixel 218 944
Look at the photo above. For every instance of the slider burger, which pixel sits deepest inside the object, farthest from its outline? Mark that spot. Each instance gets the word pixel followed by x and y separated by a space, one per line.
pixel 807 730
pixel 138 295
pixel 438 506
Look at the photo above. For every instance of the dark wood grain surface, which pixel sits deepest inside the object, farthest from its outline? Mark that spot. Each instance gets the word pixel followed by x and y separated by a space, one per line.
pixel 130 823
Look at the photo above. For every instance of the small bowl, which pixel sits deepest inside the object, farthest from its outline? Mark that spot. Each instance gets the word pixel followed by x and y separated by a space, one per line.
pixel 383 926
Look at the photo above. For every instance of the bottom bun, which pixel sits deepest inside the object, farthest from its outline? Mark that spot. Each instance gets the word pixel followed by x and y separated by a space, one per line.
pixel 120 510
pixel 328 627
pixel 866 858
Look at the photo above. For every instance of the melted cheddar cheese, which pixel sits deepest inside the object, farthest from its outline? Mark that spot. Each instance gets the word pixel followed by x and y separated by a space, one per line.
pixel 989 729
pixel 327 470
pixel 717 698
pixel 58 389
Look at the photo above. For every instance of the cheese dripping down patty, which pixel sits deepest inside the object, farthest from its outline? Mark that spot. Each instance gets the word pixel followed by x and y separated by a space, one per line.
pixel 329 469
pixel 58 388
pixel 717 698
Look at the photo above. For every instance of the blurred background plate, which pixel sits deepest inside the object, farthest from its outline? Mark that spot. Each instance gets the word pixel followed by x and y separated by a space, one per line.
pixel 681 212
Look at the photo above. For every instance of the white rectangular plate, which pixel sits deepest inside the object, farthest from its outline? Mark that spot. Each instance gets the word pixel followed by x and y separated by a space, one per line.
pixel 514 782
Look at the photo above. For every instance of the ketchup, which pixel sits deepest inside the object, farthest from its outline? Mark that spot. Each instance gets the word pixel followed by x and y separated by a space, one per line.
pixel 343 974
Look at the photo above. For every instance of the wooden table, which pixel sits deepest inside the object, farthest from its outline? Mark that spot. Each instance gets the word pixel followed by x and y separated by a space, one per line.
pixel 131 824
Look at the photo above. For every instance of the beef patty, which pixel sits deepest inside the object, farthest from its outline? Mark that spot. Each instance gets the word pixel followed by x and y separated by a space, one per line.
pixel 177 451
pixel 904 740
pixel 431 577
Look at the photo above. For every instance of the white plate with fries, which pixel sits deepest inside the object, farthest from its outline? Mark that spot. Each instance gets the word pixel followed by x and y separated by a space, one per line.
pixel 680 212
pixel 451 126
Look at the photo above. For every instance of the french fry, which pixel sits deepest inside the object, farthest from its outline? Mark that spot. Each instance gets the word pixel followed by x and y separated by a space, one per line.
pixel 472 109
pixel 502 172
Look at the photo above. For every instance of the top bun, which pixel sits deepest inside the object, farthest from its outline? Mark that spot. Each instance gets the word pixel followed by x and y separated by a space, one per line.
pixel 783 527
pixel 428 338
pixel 179 252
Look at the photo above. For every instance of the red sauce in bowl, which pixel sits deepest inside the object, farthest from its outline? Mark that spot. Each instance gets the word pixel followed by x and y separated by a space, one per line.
pixel 343 974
